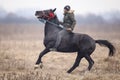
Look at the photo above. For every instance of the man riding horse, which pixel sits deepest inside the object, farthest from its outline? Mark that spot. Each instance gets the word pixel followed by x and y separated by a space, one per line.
pixel 64 40
pixel 68 24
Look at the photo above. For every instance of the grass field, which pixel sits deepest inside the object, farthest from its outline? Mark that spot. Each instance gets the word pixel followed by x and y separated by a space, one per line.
pixel 20 46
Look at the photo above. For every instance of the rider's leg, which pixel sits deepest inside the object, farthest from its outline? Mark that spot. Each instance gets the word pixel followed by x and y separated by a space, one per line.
pixel 59 38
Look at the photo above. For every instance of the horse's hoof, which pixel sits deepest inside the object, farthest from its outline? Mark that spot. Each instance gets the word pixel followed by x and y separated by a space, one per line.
pixel 36 67
pixel 41 65
pixel 68 72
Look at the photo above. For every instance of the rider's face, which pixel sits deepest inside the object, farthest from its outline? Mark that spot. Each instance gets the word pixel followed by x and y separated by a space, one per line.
pixel 65 11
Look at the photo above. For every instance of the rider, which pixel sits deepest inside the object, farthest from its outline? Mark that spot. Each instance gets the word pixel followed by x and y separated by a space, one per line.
pixel 69 19
pixel 68 23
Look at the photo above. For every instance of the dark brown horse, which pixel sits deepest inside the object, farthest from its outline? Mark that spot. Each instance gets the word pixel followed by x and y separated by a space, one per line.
pixel 83 44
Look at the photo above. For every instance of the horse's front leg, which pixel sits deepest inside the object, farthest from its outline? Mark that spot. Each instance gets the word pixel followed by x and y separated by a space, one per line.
pixel 45 51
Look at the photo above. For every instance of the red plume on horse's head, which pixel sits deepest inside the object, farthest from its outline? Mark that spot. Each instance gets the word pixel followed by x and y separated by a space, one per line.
pixel 51 15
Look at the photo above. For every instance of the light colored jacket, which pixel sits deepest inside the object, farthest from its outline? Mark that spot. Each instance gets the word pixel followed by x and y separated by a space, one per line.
pixel 69 20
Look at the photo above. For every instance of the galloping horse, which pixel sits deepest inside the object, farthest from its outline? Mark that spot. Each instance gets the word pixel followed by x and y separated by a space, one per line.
pixel 83 44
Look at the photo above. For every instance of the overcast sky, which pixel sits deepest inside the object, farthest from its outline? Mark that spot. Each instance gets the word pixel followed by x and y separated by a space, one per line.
pixel 80 6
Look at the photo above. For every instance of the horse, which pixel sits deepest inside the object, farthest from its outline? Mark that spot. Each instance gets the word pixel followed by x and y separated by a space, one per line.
pixel 83 44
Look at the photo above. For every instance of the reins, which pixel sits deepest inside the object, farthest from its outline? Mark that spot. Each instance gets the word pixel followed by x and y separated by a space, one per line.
pixel 51 16
pixel 44 21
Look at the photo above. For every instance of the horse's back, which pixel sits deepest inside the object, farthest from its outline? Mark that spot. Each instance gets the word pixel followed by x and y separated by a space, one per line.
pixel 73 42
pixel 87 43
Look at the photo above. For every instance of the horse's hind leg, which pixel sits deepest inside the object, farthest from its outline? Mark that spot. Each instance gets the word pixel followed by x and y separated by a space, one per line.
pixel 76 64
pixel 89 59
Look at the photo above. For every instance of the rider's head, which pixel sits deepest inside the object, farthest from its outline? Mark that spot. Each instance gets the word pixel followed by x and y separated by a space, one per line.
pixel 66 8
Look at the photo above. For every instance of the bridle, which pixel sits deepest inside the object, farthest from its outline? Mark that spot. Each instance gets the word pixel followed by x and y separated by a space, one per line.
pixel 50 15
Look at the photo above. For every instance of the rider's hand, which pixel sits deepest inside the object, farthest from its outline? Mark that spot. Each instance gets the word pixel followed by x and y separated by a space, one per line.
pixel 69 29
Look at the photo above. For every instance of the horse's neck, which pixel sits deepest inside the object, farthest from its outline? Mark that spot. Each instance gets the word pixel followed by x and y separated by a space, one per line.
pixel 50 28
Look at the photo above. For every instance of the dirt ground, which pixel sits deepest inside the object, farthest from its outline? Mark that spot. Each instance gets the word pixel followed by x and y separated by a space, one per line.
pixel 20 46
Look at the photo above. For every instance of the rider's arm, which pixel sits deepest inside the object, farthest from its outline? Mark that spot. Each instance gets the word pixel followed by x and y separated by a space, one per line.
pixel 72 17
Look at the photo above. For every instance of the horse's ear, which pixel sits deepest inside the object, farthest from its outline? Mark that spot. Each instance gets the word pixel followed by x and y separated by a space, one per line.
pixel 54 10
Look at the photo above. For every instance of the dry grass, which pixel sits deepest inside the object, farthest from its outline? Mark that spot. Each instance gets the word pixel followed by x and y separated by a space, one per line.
pixel 21 45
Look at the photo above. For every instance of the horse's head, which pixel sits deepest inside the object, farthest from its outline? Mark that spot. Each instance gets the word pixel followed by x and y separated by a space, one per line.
pixel 45 14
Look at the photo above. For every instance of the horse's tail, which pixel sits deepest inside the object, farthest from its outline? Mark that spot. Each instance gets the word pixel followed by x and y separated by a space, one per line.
pixel 107 44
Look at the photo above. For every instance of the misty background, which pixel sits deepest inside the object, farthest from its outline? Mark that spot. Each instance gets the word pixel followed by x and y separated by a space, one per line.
pixel 27 16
